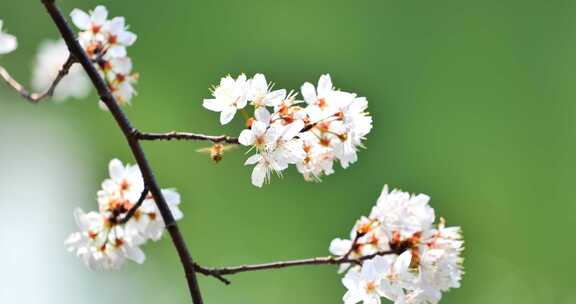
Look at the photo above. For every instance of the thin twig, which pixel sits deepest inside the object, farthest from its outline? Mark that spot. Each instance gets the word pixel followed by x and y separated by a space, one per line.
pixel 134 208
pixel 186 136
pixel 126 127
pixel 353 245
pixel 329 260
pixel 37 97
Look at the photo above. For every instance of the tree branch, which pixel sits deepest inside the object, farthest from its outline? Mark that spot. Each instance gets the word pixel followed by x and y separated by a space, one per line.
pixel 134 208
pixel 37 97
pixel 126 127
pixel 219 273
pixel 186 136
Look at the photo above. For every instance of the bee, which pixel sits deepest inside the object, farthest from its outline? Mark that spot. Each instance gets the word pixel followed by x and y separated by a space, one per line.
pixel 216 151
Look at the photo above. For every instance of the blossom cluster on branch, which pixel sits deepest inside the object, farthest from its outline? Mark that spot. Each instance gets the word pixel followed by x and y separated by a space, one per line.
pixel 328 125
pixel 112 234
pixel 426 259
pixel 105 42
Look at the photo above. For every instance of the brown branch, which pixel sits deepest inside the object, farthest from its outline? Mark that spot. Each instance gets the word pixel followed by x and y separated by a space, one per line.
pixel 134 144
pixel 37 97
pixel 219 273
pixel 185 136
pixel 134 208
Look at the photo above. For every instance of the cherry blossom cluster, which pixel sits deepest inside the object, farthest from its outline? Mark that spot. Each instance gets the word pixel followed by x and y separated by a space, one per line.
pixel 328 125
pixel 107 238
pixel 105 42
pixel 409 259
pixel 8 43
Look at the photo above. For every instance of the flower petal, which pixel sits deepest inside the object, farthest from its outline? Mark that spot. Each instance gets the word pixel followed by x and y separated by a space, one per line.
pixel 324 85
pixel 262 115
pixel 274 98
pixel 253 159
pixel 246 138
pixel 258 175
pixel 99 15
pixel 80 19
pixel 308 92
pixel 8 43
pixel 212 105
pixel 116 169
pixel 227 115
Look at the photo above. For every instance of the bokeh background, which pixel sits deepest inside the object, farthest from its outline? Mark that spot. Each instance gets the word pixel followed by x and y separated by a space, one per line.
pixel 473 103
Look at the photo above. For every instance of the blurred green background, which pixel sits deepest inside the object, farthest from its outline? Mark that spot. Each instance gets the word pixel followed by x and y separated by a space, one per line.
pixel 473 104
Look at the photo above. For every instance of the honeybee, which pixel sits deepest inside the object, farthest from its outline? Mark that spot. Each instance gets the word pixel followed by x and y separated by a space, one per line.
pixel 216 151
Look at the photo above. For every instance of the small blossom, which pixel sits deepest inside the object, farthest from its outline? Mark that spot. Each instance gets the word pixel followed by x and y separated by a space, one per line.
pixel 91 23
pixel 51 57
pixel 266 163
pixel 8 43
pixel 229 96
pixel 121 80
pixel 118 37
pixel 260 94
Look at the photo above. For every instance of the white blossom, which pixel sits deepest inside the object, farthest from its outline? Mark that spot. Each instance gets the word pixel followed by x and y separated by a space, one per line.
pixel 320 99
pixel 106 239
pixel 118 37
pixel 8 43
pixel 413 261
pixel 49 61
pixel 229 96
pixel 260 94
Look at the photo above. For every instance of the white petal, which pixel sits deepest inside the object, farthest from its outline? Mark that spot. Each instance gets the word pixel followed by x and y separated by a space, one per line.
pixel 324 85
pixel 80 19
pixel 117 51
pixel 246 137
pixel 403 262
pixel 262 115
pixel 272 134
pixel 99 15
pixel 8 43
pixel 259 128
pixel 116 25
pixel 116 169
pixel 340 247
pixel 258 175
pixel 171 196
pixel 80 218
pixel 227 115
pixel 308 92
pixel 122 65
pixel 274 98
pixel 127 38
pixel 258 83
pixel 253 159
pixel 213 105
pixel 176 213
pixel 242 101
pixel 351 297
pixel 293 129
pixel 135 254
